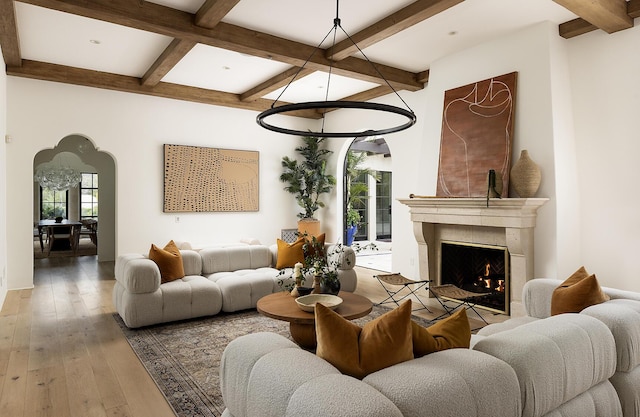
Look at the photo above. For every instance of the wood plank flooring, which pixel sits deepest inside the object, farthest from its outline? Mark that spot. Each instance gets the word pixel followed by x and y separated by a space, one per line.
pixel 62 354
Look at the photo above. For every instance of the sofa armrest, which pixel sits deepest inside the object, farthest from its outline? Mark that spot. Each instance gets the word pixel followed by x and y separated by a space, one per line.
pixel 137 274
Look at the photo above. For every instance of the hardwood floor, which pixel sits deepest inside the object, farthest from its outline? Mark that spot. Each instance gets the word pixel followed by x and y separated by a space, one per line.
pixel 62 354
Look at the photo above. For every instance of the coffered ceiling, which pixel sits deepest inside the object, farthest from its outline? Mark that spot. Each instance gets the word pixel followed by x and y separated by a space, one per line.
pixel 241 53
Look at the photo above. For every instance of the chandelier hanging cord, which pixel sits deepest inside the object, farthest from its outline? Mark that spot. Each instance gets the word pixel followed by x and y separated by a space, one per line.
pixel 324 106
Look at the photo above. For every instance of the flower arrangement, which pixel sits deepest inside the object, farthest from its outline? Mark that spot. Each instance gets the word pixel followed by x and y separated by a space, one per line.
pixel 321 263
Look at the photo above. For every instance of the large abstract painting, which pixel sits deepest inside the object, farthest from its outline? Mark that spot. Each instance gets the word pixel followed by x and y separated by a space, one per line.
pixel 198 179
pixel 477 131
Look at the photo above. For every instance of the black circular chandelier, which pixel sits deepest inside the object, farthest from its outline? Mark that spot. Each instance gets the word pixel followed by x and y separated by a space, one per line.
pixel 324 106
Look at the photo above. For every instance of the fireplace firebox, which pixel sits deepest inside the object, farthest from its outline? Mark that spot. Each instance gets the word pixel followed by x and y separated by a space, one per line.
pixel 478 268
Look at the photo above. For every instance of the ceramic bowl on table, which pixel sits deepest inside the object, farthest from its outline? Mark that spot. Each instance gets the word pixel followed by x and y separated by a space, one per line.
pixel 308 302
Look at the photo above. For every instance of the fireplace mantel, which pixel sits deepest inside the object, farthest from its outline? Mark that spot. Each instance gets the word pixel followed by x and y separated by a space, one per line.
pixel 506 222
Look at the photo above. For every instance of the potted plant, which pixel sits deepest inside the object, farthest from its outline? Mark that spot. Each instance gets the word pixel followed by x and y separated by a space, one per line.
pixel 308 180
pixel 356 192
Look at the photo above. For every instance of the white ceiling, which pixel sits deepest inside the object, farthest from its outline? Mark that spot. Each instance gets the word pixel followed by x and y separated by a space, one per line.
pixel 55 37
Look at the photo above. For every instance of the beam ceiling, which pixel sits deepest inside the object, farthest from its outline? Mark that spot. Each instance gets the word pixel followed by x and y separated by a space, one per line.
pixel 206 27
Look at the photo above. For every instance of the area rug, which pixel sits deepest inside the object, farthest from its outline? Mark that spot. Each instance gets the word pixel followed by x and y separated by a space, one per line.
pixel 183 358
pixel 85 248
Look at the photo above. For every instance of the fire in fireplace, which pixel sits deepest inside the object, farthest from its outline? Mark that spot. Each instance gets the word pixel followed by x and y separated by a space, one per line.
pixel 482 269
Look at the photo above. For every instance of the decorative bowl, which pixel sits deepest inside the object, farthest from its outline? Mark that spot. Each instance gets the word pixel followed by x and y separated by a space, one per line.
pixel 308 302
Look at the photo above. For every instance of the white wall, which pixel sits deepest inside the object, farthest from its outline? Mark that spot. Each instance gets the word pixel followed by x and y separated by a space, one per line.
pixel 606 101
pixel 133 129
pixel 3 182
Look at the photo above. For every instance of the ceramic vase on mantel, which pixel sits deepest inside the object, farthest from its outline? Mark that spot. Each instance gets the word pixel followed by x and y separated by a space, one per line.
pixel 525 176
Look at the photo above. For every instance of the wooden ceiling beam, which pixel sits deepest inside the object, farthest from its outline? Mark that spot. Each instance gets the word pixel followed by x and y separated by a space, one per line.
pixel 274 83
pixel 9 34
pixel 88 78
pixel 209 15
pixel 390 25
pixel 580 26
pixel 155 18
pixel 396 22
pixel 608 15
pixel 169 58
pixel 212 12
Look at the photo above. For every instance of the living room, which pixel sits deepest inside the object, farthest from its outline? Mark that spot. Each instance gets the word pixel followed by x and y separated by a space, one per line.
pixel 566 93
pixel 575 115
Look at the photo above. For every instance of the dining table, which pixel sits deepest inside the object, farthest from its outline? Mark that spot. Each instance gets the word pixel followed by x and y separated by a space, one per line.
pixel 50 223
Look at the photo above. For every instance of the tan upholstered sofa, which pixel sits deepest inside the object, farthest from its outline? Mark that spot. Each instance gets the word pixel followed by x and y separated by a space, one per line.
pixel 221 278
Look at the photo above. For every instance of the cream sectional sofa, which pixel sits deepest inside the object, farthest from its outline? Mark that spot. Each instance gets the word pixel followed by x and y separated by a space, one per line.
pixel 621 315
pixel 221 278
pixel 559 366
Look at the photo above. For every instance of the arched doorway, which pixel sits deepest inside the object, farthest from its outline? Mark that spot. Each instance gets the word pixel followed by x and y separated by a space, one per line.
pixel 80 151
pixel 367 190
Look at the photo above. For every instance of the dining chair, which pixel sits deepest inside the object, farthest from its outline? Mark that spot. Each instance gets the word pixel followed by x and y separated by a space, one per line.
pixel 90 228
pixel 70 233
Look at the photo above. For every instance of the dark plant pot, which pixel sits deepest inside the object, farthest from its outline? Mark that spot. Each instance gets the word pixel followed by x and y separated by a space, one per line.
pixel 330 286
pixel 351 233
pixel 304 290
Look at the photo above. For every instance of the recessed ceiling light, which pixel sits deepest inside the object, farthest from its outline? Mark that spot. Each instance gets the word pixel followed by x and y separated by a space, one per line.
pixel 95 41
pixel 453 33
pixel 224 67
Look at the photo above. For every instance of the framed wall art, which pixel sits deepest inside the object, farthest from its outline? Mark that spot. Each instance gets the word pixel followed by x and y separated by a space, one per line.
pixel 477 132
pixel 199 179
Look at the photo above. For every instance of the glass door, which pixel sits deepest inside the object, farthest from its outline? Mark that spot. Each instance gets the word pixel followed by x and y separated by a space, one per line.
pixel 383 206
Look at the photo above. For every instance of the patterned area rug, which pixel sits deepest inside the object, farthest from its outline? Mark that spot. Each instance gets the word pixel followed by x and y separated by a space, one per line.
pixel 183 358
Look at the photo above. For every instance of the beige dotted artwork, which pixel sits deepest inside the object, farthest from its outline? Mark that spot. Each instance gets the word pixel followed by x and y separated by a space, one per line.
pixel 198 179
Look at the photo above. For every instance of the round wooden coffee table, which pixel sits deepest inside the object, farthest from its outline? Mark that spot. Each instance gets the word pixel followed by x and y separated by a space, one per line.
pixel 282 306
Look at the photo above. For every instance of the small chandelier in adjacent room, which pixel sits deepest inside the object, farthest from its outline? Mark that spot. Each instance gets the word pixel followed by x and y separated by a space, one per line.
pixel 408 116
pixel 56 175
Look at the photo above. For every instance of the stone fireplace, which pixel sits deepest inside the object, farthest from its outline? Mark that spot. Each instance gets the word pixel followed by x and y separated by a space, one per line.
pixel 505 223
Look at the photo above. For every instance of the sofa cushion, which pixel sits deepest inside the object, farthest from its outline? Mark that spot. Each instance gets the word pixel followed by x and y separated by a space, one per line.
pixel 576 293
pixel 556 359
pixel 169 261
pixel 356 351
pixel 622 317
pixel 449 333
pixel 289 254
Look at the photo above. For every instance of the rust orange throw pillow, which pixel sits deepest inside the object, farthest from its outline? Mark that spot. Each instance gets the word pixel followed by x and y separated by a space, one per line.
pixel 452 332
pixel 169 261
pixel 289 254
pixel 356 351
pixel 576 293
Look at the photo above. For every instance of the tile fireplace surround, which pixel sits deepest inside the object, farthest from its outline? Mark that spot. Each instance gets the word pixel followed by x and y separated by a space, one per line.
pixel 507 222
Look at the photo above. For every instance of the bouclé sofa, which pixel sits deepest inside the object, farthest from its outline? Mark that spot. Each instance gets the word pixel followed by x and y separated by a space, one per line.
pixel 222 278
pixel 558 366
pixel 621 314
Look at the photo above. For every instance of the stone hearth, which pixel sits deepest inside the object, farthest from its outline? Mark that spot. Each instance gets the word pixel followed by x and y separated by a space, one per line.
pixel 507 222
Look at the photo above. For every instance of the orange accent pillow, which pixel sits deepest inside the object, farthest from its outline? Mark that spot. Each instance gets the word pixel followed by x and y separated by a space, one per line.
pixel 289 254
pixel 576 293
pixel 450 333
pixel 169 261
pixel 355 351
